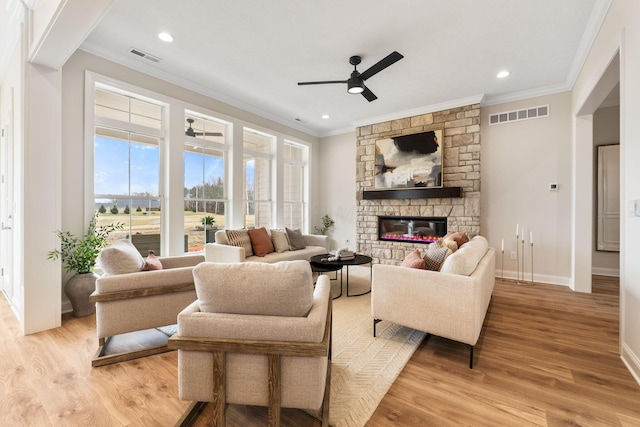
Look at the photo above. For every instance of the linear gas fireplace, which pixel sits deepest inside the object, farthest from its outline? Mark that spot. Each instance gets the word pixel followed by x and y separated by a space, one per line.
pixel 411 229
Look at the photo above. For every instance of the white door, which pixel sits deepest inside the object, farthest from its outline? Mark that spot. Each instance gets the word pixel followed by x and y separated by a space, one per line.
pixel 6 201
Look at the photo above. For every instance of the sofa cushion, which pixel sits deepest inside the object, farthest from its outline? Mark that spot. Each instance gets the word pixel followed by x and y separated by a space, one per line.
pixel 414 260
pixel 120 257
pixel 279 289
pixel 260 241
pixel 280 240
pixel 435 255
pixel 465 259
pixel 241 239
pixel 295 239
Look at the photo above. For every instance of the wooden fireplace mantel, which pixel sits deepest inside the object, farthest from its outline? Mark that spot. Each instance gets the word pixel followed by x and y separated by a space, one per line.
pixel 413 193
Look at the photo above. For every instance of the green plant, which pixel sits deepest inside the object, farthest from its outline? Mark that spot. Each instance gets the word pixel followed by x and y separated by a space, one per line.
pixel 127 211
pixel 138 209
pixel 102 209
pixel 114 209
pixel 78 254
pixel 207 220
pixel 327 223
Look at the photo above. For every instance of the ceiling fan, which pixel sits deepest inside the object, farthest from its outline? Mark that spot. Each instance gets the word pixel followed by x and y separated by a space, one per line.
pixel 355 83
pixel 191 132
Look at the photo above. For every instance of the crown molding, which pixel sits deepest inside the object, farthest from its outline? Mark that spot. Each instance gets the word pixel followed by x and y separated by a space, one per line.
pixel 475 99
pixel 138 65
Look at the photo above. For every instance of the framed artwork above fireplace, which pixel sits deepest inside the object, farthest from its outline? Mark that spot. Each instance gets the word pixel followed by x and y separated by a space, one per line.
pixel 409 161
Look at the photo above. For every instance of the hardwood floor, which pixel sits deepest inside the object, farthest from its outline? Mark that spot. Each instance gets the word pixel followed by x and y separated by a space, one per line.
pixel 547 357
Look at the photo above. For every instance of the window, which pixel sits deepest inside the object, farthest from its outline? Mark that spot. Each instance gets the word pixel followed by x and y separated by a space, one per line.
pixel 258 148
pixel 295 162
pixel 204 183
pixel 126 183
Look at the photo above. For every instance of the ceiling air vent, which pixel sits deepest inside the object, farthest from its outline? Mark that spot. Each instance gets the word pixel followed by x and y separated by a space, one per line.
pixel 517 115
pixel 144 55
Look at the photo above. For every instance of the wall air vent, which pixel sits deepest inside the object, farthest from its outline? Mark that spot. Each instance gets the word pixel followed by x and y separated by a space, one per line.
pixel 517 115
pixel 144 55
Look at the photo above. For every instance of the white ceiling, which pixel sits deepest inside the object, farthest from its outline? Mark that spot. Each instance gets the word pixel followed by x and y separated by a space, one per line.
pixel 252 53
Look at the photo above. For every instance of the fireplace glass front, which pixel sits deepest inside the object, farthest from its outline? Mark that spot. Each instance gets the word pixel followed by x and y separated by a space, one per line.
pixel 414 229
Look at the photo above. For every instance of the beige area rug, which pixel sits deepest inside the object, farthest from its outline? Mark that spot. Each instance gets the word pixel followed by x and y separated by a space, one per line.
pixel 363 367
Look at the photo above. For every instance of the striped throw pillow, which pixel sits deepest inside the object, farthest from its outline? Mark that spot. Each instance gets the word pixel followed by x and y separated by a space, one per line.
pixel 241 239
pixel 435 255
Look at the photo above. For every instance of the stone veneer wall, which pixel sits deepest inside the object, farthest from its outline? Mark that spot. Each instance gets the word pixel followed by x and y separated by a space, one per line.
pixel 461 168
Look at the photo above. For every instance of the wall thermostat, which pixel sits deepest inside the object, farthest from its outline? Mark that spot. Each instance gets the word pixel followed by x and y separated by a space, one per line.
pixel 553 186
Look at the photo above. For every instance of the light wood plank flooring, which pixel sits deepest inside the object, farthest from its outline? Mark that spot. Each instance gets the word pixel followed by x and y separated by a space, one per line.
pixel 546 357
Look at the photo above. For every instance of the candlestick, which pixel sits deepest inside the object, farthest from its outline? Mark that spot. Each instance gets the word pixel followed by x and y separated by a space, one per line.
pixel 517 256
pixel 523 255
pixel 531 237
pixel 532 261
pixel 502 245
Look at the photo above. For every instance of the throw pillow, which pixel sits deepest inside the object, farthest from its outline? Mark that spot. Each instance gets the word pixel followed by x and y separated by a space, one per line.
pixel 280 289
pixel 241 239
pixel 152 262
pixel 260 241
pixel 295 239
pixel 458 236
pixel 280 240
pixel 450 243
pixel 120 257
pixel 414 260
pixel 435 255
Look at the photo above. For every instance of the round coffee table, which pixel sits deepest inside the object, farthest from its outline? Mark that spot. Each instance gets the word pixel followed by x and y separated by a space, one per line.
pixel 317 263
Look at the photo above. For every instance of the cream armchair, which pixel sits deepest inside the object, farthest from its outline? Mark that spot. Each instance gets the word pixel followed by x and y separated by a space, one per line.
pixel 259 334
pixel 130 300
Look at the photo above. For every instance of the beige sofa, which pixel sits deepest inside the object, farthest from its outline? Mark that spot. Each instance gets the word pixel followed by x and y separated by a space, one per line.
pixel 450 303
pixel 130 300
pixel 222 251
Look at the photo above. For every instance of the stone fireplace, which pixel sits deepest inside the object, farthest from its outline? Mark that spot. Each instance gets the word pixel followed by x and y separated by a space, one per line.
pixel 460 171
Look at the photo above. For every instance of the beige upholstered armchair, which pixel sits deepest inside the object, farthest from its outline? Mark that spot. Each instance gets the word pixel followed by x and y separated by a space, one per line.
pixel 130 300
pixel 259 334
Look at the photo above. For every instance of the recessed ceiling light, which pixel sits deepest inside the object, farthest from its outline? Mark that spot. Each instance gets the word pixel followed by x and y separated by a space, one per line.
pixel 165 37
pixel 503 74
pixel 325 116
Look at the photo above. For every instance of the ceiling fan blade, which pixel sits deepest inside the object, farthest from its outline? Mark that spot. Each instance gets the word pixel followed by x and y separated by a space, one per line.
pixel 210 133
pixel 390 59
pixel 321 83
pixel 369 95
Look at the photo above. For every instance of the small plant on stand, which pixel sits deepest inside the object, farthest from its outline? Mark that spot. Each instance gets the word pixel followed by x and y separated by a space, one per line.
pixel 327 223
pixel 79 255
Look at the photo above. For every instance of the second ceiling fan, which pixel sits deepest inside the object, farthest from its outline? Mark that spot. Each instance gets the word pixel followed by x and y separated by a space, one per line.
pixel 355 83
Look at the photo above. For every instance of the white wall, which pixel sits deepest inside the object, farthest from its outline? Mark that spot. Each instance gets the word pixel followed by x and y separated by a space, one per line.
pixel 606 130
pixel 519 161
pixel 621 32
pixel 337 189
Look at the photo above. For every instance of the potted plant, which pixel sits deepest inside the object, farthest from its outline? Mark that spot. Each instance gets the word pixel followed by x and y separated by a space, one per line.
pixel 327 223
pixel 79 255
pixel 208 224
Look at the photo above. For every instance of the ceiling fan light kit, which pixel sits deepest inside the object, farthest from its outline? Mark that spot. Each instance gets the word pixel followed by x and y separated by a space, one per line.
pixel 355 83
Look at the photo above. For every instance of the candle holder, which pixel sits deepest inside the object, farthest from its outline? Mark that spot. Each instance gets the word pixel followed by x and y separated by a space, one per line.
pixel 523 256
pixel 517 259
pixel 532 262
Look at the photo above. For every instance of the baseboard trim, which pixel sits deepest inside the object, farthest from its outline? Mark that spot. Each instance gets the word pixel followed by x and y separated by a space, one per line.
pixel 631 361
pixel 537 278
pixel 600 271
